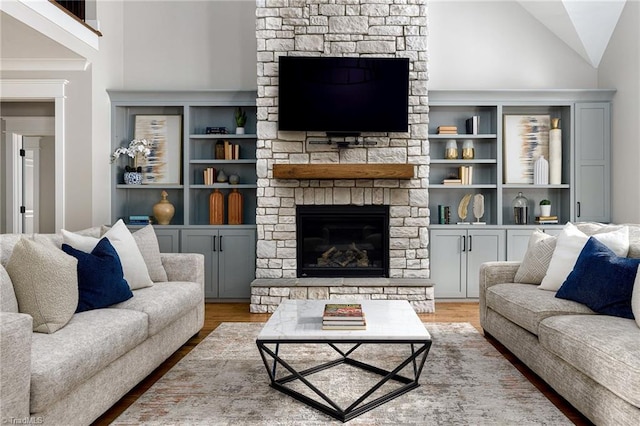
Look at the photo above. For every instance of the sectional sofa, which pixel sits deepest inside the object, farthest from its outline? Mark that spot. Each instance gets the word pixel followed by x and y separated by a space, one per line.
pixel 75 374
pixel 592 360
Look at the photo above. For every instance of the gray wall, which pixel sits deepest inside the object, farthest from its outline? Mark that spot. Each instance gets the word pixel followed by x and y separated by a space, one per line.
pixel 620 68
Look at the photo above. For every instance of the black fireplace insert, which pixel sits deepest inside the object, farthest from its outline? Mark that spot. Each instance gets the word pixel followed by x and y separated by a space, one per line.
pixel 342 241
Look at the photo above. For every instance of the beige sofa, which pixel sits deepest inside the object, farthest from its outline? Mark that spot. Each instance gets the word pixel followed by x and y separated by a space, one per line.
pixel 74 375
pixel 592 360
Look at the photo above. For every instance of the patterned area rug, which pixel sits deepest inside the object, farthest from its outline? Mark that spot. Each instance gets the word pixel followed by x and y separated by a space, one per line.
pixel 223 381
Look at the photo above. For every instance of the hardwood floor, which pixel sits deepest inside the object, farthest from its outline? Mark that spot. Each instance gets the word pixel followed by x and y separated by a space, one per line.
pixel 216 313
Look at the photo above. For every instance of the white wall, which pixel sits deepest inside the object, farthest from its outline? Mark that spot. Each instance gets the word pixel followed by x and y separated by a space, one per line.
pixel 499 45
pixel 173 45
pixel 620 68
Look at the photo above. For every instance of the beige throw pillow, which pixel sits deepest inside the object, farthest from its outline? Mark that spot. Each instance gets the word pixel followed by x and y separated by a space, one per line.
pixel 536 261
pixel 147 242
pixel 133 264
pixel 569 245
pixel 45 280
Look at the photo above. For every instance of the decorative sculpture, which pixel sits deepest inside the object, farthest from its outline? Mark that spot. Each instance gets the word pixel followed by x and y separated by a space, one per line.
pixel 463 207
pixel 478 208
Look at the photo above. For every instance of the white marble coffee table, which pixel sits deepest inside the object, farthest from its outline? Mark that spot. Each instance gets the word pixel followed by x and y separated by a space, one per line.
pixel 300 322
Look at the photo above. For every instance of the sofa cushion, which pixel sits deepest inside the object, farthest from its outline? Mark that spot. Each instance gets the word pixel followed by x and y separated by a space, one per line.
pixel 7 242
pixel 8 301
pixel 526 306
pixel 135 270
pixel 90 341
pixel 164 302
pixel 635 299
pixel 601 280
pixel 585 342
pixel 101 281
pixel 536 260
pixel 45 281
pixel 569 245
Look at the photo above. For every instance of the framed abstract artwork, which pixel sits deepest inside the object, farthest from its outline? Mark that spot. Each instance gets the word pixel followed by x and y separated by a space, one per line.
pixel 526 138
pixel 164 132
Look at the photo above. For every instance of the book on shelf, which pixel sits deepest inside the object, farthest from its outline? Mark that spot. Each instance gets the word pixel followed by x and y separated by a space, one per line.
pixel 466 175
pixel 231 151
pixel 452 182
pixel 546 220
pixel 139 217
pixel 209 175
pixel 473 125
pixel 447 130
pixel 343 312
pixel 444 214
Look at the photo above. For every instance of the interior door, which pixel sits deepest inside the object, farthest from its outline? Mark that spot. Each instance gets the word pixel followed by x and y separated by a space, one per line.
pixel 30 185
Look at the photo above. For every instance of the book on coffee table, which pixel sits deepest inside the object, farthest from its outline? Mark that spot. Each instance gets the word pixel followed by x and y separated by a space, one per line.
pixel 343 312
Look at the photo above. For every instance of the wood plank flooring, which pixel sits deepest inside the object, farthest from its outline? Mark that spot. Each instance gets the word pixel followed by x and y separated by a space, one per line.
pixel 216 313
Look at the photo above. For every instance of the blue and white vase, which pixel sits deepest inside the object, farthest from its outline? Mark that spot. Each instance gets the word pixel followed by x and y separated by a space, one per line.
pixel 133 178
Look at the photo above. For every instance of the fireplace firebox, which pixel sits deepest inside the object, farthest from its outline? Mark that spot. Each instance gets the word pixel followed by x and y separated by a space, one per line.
pixel 342 241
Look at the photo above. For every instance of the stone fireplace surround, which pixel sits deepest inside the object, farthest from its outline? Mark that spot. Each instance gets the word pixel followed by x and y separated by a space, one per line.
pixel 341 28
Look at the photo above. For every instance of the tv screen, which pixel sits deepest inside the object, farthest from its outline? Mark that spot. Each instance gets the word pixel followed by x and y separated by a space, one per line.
pixel 343 95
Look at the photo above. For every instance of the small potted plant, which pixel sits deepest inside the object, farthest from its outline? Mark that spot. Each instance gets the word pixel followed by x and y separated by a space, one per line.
pixel 241 120
pixel 137 149
pixel 545 208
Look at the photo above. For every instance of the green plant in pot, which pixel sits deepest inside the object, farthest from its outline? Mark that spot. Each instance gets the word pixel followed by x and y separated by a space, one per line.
pixel 545 208
pixel 241 120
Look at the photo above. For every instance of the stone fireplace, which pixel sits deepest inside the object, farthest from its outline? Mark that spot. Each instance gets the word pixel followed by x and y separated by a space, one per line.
pixel 350 28
pixel 342 241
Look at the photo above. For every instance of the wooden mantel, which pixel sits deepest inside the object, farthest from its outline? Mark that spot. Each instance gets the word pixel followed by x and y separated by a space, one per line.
pixel 343 171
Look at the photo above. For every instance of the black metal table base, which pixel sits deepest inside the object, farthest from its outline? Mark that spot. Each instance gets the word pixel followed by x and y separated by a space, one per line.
pixel 271 359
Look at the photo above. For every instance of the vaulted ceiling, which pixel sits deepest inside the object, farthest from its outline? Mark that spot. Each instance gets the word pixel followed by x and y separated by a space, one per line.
pixel 585 25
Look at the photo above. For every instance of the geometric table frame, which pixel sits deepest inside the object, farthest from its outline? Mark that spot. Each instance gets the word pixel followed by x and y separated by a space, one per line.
pixel 299 322
pixel 271 359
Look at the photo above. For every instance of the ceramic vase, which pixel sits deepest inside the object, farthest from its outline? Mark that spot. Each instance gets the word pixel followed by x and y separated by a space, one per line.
pixel 239 130
pixel 163 210
pixel 235 207
pixel 555 152
pixel 216 208
pixel 133 178
pixel 541 171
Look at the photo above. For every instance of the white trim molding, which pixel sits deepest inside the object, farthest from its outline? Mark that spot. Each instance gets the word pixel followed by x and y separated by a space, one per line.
pixel 42 89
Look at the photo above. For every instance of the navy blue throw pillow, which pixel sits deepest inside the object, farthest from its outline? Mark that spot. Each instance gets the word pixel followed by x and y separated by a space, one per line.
pixel 601 280
pixel 101 281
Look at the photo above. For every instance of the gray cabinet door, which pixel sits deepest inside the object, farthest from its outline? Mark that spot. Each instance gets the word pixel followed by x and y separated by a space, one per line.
pixel 482 246
pixel 237 262
pixel 448 263
pixel 205 242
pixel 592 161
pixel 517 242
pixel 168 240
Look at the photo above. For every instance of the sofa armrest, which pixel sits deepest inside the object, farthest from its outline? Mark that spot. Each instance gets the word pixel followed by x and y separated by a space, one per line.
pixel 184 267
pixel 15 365
pixel 492 273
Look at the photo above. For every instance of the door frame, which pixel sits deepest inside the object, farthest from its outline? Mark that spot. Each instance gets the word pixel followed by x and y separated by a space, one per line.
pixel 37 90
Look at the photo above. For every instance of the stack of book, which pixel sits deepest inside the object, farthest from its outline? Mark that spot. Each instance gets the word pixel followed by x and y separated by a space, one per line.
pixel 444 215
pixel 466 175
pixel 452 181
pixel 231 151
pixel 209 176
pixel 546 220
pixel 447 130
pixel 139 220
pixel 343 316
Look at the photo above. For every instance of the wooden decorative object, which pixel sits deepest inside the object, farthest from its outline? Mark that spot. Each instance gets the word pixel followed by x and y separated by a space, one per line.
pixel 163 210
pixel 235 208
pixel 216 208
pixel 343 171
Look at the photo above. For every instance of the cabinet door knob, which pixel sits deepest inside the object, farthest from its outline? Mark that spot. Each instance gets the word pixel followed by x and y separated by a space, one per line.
pixel 464 243
pixel 470 242
pixel 578 208
pixel 220 242
pixel 214 243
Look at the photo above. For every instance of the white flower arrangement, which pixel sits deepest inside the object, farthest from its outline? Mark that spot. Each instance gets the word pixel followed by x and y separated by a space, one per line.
pixel 137 148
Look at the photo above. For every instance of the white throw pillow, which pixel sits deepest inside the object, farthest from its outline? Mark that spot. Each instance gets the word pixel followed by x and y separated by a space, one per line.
pixel 635 298
pixel 133 264
pixel 569 245
pixel 45 280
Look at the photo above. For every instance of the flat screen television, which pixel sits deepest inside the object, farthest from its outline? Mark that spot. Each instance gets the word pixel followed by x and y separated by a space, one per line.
pixel 343 95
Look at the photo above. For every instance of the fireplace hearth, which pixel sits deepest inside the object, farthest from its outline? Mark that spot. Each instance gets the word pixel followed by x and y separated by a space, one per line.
pixel 337 241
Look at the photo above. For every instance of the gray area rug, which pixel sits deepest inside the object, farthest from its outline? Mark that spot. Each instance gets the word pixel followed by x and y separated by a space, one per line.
pixel 223 381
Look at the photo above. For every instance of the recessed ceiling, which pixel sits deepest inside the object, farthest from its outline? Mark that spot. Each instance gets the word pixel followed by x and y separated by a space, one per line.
pixel 586 26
